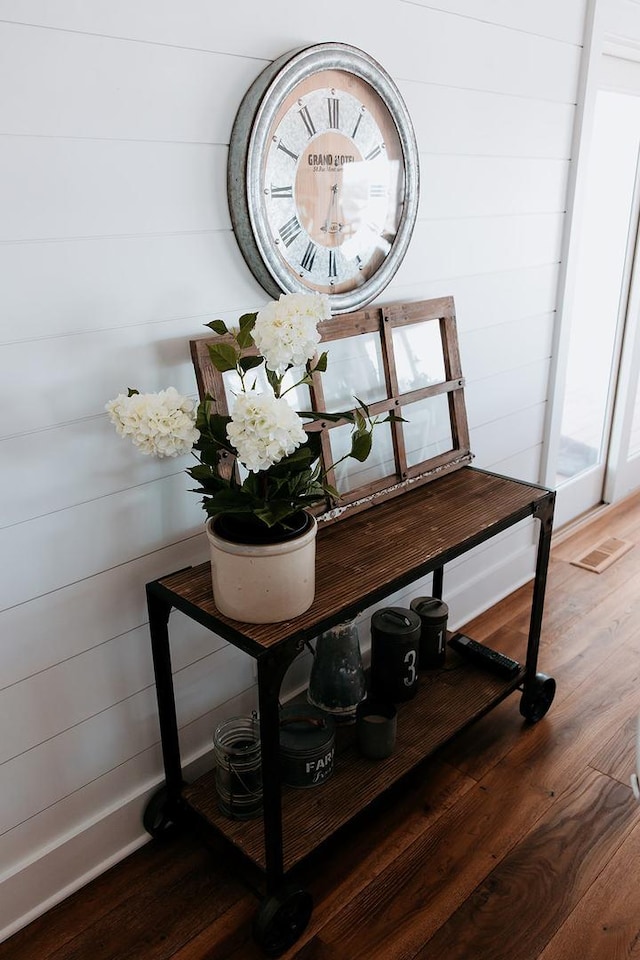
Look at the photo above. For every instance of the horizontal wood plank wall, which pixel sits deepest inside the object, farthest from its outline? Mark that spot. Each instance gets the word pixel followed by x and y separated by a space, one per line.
pixel 115 248
pixel 622 20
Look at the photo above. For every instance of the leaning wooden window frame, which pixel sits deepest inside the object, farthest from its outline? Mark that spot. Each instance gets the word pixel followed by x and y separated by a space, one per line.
pixel 384 324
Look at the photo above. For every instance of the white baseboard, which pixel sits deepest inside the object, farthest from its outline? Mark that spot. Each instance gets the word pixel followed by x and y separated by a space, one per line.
pixel 53 872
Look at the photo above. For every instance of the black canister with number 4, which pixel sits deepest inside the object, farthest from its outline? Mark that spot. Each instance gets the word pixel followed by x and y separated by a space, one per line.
pixel 395 642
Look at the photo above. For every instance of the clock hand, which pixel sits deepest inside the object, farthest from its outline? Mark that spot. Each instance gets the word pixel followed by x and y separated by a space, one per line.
pixel 329 218
pixel 331 224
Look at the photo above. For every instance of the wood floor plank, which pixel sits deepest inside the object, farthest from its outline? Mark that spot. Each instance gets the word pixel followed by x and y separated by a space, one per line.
pixel 578 598
pixel 606 921
pixel 229 936
pixel 522 903
pixel 152 922
pixel 90 906
pixel 556 750
pixel 617 757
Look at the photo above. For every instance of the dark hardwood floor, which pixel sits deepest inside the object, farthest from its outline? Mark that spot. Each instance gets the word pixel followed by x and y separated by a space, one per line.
pixel 516 842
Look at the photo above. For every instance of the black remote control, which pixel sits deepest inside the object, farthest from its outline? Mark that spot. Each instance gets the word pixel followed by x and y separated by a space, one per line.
pixel 483 656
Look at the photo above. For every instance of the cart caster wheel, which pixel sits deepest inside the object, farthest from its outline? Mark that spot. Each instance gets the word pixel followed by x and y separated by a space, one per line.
pixel 281 919
pixel 157 818
pixel 535 703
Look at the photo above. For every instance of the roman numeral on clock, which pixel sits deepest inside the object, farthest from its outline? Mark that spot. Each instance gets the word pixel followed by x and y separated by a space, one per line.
pixel 290 153
pixel 355 129
pixel 377 190
pixel 333 105
pixel 309 256
pixel 333 270
pixel 289 231
pixel 377 150
pixel 308 122
pixel 280 193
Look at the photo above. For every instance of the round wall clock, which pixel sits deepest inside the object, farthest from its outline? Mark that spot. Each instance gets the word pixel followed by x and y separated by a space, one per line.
pixel 323 176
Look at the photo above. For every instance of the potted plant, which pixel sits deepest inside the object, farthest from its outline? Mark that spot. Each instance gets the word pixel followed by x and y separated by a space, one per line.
pixel 258 468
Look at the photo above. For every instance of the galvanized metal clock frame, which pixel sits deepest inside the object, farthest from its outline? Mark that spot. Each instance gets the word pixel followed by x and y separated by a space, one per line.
pixel 323 176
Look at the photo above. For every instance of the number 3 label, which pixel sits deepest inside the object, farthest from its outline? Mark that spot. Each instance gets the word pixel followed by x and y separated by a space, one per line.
pixel 410 659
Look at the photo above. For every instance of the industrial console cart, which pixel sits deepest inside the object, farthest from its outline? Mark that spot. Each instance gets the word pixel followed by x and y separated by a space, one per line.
pixel 360 561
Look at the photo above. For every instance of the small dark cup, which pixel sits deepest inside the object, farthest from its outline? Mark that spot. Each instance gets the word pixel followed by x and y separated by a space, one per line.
pixel 376 729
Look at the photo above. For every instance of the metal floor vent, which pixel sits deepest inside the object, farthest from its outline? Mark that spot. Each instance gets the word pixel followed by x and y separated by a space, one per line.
pixel 603 554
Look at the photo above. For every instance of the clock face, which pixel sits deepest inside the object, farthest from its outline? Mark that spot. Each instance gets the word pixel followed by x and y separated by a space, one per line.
pixel 333 182
pixel 323 176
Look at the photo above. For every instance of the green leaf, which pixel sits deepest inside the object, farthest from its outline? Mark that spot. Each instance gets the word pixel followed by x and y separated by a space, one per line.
pixel 210 457
pixel 237 499
pixel 208 479
pixel 360 446
pixel 274 381
pixel 276 511
pixel 230 501
pixel 199 472
pixel 212 426
pixel 270 516
pixel 361 423
pixel 301 454
pixel 223 356
pixel 248 363
pixel 247 323
pixel 332 492
pixel 206 409
pixel 363 406
pixel 331 417
pixel 394 418
pixel 321 365
pixel 314 445
pixel 218 326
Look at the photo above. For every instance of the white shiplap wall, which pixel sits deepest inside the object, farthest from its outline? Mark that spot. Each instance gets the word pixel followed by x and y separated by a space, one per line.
pixel 115 248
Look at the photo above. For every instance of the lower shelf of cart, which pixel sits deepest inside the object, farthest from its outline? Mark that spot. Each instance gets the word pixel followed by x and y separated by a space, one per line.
pixel 447 701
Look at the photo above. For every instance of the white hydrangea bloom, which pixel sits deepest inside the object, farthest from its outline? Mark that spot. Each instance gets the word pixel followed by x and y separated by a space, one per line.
pixel 263 429
pixel 160 424
pixel 285 330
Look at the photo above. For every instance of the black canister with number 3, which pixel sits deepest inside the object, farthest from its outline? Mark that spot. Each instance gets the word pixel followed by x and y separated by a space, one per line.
pixel 395 642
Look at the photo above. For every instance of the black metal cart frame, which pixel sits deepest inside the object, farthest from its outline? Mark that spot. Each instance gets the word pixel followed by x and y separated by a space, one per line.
pixel 360 561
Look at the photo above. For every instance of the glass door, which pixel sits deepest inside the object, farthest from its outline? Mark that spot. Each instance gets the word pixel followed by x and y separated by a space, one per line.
pixel 623 463
pixel 599 419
